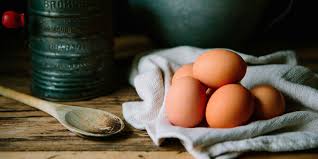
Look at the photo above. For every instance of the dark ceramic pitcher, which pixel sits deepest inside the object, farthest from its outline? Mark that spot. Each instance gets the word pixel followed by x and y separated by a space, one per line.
pixel 202 23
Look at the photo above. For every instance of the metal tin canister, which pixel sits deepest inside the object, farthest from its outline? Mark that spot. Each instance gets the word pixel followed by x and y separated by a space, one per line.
pixel 71 46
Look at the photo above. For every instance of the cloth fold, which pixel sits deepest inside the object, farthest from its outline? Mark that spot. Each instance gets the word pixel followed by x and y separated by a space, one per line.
pixel 297 129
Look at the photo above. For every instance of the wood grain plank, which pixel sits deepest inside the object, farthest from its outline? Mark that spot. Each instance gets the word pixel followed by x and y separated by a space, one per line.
pixel 26 129
pixel 71 144
pixel 46 134
pixel 96 155
pixel 142 155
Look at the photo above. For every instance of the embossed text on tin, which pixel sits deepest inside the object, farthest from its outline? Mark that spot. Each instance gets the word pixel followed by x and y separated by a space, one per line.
pixel 62 4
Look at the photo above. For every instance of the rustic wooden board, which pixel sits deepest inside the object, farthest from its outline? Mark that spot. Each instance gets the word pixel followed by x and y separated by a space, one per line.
pixel 26 129
pixel 138 155
pixel 28 133
pixel 96 154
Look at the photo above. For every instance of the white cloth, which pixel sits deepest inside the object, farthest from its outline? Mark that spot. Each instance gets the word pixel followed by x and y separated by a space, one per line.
pixel 296 130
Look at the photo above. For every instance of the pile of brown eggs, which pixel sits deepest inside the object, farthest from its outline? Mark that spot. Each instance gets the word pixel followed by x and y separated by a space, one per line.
pixel 209 89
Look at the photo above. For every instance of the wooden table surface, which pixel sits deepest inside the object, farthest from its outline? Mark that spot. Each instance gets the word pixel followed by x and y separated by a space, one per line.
pixel 26 132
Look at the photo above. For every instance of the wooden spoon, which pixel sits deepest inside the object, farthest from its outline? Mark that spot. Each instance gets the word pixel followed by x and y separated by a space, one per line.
pixel 82 121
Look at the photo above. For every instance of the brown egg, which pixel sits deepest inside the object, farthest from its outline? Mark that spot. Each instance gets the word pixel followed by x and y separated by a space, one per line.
pixel 185 102
pixel 219 67
pixel 269 102
pixel 229 106
pixel 183 71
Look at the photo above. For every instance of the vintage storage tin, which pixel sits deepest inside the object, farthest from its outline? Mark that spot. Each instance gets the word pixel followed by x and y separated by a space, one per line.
pixel 71 46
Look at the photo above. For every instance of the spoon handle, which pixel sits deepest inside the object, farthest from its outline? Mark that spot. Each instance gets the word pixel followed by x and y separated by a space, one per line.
pixel 43 105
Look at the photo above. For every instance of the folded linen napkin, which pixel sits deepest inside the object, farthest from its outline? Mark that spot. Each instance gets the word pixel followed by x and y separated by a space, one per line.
pixel 296 130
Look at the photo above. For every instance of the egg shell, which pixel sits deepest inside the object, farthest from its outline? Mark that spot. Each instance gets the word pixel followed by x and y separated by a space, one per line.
pixel 183 71
pixel 229 106
pixel 269 102
pixel 186 102
pixel 219 67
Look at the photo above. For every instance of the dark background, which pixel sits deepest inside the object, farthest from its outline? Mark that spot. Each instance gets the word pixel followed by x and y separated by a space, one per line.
pixel 297 29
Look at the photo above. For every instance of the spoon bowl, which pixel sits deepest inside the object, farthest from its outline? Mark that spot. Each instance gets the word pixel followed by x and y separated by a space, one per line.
pixel 92 122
